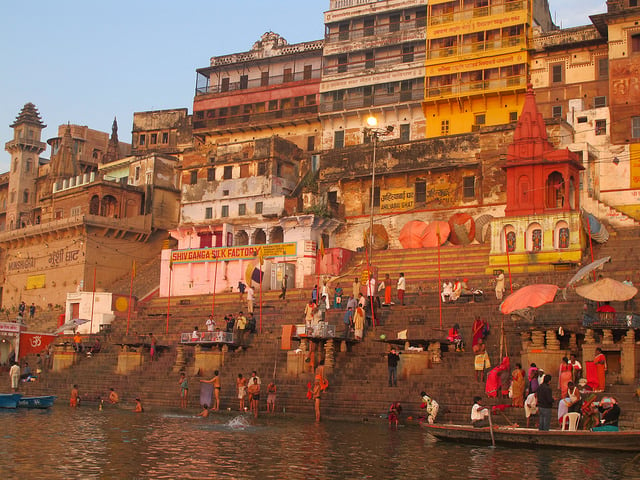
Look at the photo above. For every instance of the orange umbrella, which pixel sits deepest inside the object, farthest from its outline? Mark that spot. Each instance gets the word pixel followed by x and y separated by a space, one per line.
pixel 529 296
pixel 463 229
pixel 412 233
pixel 435 229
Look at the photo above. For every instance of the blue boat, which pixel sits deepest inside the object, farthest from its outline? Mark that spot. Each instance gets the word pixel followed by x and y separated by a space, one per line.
pixel 9 400
pixel 44 401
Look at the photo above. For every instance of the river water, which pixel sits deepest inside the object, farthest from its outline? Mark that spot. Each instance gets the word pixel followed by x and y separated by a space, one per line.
pixel 85 443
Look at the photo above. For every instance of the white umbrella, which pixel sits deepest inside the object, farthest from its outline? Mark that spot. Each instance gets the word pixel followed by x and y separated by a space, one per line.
pixel 71 324
pixel 587 269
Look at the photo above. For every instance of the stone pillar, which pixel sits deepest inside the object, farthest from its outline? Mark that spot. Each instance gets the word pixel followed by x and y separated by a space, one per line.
pixel 436 352
pixel 180 361
pixel 329 353
pixel 628 358
pixel 573 343
pixel 607 337
pixel 589 339
pixel 525 340
pixel 552 340
pixel 537 339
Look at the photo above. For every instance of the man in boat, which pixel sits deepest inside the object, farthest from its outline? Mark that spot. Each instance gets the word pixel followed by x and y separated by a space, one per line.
pixel 479 414
pixel 610 411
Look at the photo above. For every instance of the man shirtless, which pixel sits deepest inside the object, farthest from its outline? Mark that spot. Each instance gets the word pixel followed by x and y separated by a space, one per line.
pixel 216 390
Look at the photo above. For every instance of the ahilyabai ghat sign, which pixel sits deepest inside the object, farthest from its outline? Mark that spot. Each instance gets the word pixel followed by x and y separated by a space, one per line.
pixel 200 255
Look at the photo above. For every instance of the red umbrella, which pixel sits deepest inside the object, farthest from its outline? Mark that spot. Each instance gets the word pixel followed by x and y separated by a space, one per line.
pixel 529 296
pixel 412 233
pixel 436 231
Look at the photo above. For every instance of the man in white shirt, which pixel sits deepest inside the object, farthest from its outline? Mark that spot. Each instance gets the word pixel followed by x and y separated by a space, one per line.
pixel 211 324
pixel 479 414
pixel 400 287
pixel 250 299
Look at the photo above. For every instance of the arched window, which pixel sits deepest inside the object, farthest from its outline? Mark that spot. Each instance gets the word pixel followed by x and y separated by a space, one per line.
pixel 561 235
pixel 534 238
pixel 555 190
pixel 109 206
pixel 259 237
pixel 508 240
pixel 94 205
pixel 241 238
pixel 276 235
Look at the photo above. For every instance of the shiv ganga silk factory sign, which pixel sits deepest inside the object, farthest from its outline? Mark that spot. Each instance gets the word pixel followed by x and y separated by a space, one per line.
pixel 248 252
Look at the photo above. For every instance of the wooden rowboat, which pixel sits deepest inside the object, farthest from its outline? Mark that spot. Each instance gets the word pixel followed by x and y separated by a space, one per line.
pixel 624 440
pixel 44 401
pixel 9 400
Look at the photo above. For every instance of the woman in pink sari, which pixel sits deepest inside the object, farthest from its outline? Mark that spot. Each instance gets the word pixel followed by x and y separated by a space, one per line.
pixel 565 375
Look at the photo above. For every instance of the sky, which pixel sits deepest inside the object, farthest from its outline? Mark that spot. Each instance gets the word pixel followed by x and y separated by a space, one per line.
pixel 86 62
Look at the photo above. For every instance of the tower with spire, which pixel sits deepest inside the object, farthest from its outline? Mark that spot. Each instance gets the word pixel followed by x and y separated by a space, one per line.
pixel 25 150
pixel 113 152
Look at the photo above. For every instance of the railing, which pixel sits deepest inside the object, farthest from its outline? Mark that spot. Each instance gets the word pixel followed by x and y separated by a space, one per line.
pixel 476 86
pixel 612 320
pixel 337 4
pixel 366 64
pixel 207 337
pixel 320 330
pixel 376 30
pixel 469 13
pixel 257 82
pixel 475 47
pixel 253 118
pixel 377 99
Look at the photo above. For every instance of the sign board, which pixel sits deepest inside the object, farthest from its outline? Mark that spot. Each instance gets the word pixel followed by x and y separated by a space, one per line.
pixel 395 199
pixel 201 255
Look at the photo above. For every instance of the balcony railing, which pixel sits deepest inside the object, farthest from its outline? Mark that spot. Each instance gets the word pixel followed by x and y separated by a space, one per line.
pixel 469 13
pixel 256 82
pixel 476 87
pixel 254 118
pixel 373 31
pixel 207 337
pixel 363 101
pixel 475 47
pixel 611 320
pixel 367 64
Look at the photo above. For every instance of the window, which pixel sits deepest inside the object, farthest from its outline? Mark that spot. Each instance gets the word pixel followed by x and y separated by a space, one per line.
pixel 211 174
pixel 264 79
pixel 599 102
pixel 405 132
pixel 154 139
pixel 308 72
pixel 406 90
pixel 603 68
pixel 27 166
pixel 376 196
pixel 407 53
pixel 444 127
pixel 244 170
pixel 287 75
pixel 556 73
pixel 480 119
pixel 208 213
pixel 421 18
pixel 469 187
pixel 556 111
pixel 332 197
pixel 224 85
pixel 258 207
pixel 225 211
pixel 225 193
pixel 273 105
pixel 25 196
pixel 369 29
pixel 420 191
pixel 165 137
pixel 338 139
pixel 635 127
pixel 228 172
pixel 75 211
pixel 58 214
pixel 513 116
pixel 262 168
pixel 635 43
pixel 601 127
pixel 194 177
pixel 242 209
pixel 244 82
pixel 342 63
pixel 311 143
pixel 137 174
pixel 143 140
pixel 369 60
pixel 343 31
pixel 583 119
pixel 394 23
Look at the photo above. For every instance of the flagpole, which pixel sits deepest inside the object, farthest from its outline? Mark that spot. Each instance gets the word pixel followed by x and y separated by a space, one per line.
pixel 169 296
pixel 93 299
pixel 261 262
pixel 439 279
pixel 133 273
pixel 215 280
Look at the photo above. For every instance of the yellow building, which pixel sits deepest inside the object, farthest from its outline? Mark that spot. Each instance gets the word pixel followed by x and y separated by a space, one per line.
pixel 477 62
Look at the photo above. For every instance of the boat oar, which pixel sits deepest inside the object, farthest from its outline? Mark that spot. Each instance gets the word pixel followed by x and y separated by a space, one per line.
pixel 493 440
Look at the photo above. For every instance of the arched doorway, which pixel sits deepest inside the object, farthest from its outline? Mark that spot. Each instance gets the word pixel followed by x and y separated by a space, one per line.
pixel 259 237
pixel 94 205
pixel 276 235
pixel 109 206
pixel 555 190
pixel 241 238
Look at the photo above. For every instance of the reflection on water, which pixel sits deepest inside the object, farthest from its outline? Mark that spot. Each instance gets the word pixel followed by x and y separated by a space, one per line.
pixel 118 444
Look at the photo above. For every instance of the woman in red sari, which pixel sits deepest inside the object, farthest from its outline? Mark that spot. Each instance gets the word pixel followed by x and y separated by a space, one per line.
pixel 601 367
pixel 478 332
pixel 517 386
pixel 565 375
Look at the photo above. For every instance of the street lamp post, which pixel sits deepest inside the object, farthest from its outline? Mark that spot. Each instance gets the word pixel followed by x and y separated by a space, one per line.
pixel 374 134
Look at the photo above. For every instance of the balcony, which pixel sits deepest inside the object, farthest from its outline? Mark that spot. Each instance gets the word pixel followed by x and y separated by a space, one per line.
pixel 373 31
pixel 476 87
pixel 252 83
pixel 466 14
pixel 377 99
pixel 257 118
pixel 473 48
pixel 611 320
pixel 361 65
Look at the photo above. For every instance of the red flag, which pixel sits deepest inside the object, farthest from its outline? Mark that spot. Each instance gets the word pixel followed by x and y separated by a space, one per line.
pixel 32 343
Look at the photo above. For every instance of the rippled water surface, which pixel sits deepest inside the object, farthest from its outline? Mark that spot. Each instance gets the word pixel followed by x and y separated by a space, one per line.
pixel 117 444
